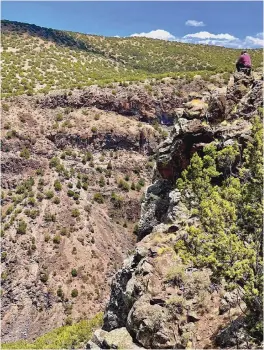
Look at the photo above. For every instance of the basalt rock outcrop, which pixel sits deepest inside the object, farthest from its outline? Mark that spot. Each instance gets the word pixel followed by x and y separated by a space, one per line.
pixel 161 302
pixel 144 103
pixel 141 142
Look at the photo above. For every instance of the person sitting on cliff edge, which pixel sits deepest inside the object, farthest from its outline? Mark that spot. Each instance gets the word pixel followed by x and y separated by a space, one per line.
pixel 243 64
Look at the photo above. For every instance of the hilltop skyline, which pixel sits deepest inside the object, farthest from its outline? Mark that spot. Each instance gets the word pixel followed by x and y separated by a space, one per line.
pixel 229 24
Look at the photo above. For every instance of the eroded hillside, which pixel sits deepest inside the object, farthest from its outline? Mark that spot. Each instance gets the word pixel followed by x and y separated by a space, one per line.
pixel 72 182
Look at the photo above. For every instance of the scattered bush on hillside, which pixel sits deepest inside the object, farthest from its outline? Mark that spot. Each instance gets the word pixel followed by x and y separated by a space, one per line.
pixel 22 227
pixel 25 153
pixel 74 293
pixel 123 185
pixel 57 185
pixel 98 197
pixel 75 213
pixel 74 273
pixel 116 200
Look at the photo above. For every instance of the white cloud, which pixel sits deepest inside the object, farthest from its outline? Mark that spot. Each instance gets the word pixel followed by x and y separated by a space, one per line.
pixel 194 23
pixel 207 35
pixel 206 38
pixel 157 34
pixel 256 41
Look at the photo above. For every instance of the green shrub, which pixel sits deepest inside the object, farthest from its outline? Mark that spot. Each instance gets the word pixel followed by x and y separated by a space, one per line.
pixel 63 231
pixel 85 186
pixel 101 181
pixel 3 256
pixel 136 170
pixel 5 107
pixel 59 117
pixel 49 194
pixel 9 210
pixel 76 196
pixel 88 156
pixel 32 213
pixel 11 134
pixel 98 197
pixel 40 172
pixel 56 239
pixel 117 200
pixel 109 165
pixel 57 185
pixel 54 162
pixel 138 187
pixel 22 227
pixel 31 201
pixel 75 213
pixel 141 182
pixel 70 193
pixel 135 230
pixel 40 196
pixel 68 321
pixel 74 293
pixel 60 293
pixel 4 276
pixel 56 200
pixel 25 153
pixel 46 237
pixel 48 217
pixel 74 273
pixel 123 185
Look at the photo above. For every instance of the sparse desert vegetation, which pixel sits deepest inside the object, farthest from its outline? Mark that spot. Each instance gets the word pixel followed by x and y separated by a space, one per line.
pixel 49 59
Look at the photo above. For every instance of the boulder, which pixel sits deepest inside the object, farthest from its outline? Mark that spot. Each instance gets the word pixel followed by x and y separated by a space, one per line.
pixel 217 107
pixel 229 300
pixel 148 325
pixel 115 339
pixel 196 108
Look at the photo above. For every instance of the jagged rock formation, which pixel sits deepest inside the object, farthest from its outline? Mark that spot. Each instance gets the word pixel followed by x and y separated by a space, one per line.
pixel 161 302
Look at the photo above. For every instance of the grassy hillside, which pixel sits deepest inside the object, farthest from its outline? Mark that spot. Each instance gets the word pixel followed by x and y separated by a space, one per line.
pixel 66 337
pixel 36 59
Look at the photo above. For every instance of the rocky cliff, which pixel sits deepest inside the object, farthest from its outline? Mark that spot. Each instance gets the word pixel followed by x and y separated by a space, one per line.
pixel 160 299
pixel 74 168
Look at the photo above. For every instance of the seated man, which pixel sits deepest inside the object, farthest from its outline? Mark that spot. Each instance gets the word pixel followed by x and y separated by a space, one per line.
pixel 244 63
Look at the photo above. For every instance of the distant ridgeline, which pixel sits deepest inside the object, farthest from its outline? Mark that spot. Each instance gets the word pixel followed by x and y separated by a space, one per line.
pixel 37 59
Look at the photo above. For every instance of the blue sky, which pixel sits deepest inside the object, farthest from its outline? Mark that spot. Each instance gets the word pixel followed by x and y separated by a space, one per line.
pixel 227 23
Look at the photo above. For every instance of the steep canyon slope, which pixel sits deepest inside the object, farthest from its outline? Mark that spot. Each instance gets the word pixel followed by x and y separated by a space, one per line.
pixel 75 165
pixel 194 279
